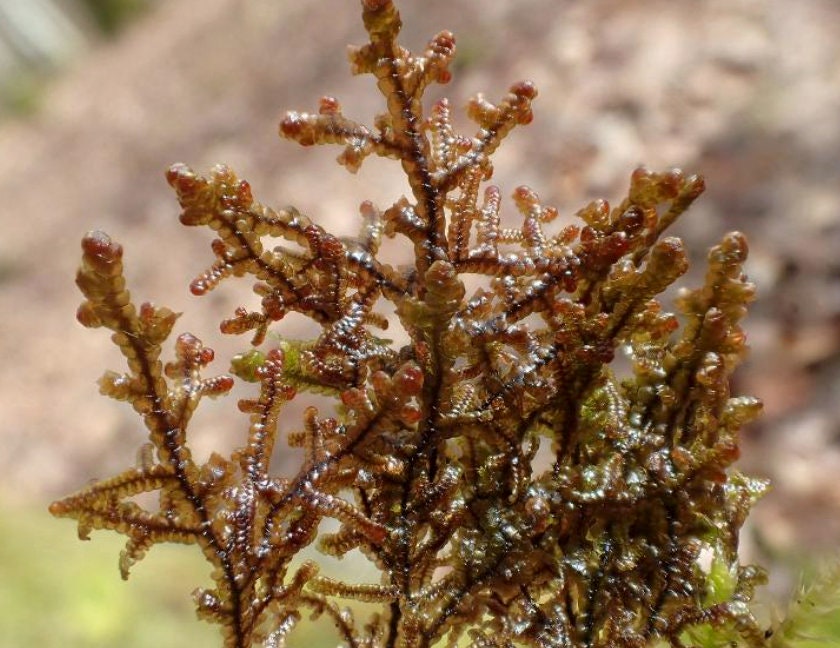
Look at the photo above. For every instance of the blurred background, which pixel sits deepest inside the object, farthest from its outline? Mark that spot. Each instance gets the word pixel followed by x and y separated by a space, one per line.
pixel 98 97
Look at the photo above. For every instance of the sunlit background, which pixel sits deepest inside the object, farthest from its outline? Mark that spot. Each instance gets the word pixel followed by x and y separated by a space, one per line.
pixel 98 97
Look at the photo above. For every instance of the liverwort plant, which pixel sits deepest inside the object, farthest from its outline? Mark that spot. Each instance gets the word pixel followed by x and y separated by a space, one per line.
pixel 509 489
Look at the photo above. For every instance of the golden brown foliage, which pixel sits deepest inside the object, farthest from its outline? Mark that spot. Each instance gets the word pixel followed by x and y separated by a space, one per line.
pixel 508 486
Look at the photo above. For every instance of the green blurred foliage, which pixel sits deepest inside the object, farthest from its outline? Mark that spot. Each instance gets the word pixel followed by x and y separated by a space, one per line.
pixel 813 616
pixel 112 15
pixel 21 92
pixel 56 592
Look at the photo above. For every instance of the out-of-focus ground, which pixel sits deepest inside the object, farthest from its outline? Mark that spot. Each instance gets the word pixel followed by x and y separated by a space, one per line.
pixel 746 92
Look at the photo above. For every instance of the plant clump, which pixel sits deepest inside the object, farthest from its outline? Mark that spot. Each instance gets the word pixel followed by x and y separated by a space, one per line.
pixel 509 488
